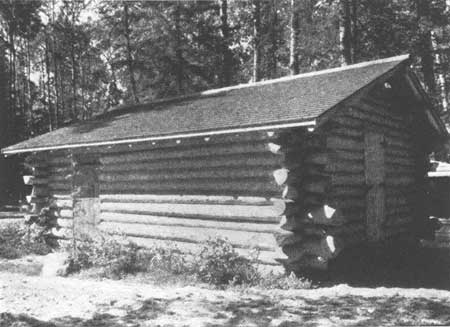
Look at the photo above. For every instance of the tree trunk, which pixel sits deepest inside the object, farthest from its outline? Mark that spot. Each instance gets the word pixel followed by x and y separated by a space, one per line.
pixel 28 89
pixel 55 69
pixel 178 51
pixel 425 44
pixel 345 33
pixel 227 56
pixel 355 31
pixel 126 21
pixel 74 112
pixel 256 40
pixel 442 83
pixel 74 84
pixel 273 38
pixel 294 31
pixel 12 69
pixel 47 70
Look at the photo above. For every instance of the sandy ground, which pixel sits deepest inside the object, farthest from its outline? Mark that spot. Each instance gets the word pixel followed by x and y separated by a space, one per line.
pixel 36 301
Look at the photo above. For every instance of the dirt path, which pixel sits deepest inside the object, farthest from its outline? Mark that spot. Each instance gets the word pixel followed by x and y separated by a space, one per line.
pixel 44 302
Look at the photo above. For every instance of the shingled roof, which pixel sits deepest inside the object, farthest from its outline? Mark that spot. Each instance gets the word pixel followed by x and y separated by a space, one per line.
pixel 289 101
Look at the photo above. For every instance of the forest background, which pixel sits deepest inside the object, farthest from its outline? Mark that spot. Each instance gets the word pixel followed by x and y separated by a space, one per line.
pixel 67 61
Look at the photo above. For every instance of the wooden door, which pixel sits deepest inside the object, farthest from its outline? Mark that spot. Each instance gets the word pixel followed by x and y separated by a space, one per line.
pixel 86 202
pixel 375 178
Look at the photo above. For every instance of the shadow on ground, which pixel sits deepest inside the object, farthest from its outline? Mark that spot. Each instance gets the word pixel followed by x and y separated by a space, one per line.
pixel 342 311
pixel 406 267
pixel 403 267
pixel 265 312
pixel 150 310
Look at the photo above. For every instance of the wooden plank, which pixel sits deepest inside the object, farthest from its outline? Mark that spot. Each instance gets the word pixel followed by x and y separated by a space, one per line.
pixel 65 223
pixel 241 239
pixel 218 187
pixel 317 158
pixel 202 173
pixel 85 216
pixel 346 166
pixel 192 142
pixel 369 108
pixel 189 199
pixel 347 122
pixel 377 120
pixel 398 220
pixel 206 151
pixel 60 185
pixel 183 222
pixel 347 191
pixel 65 213
pixel 255 160
pixel 39 191
pixel 341 131
pixel 402 181
pixel 343 143
pixel 375 178
pixel 347 180
pixel 63 203
pixel 265 213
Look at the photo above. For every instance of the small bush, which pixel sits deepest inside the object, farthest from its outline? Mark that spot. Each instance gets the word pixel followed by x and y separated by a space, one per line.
pixel 42 225
pixel 115 259
pixel 16 241
pixel 219 264
pixel 168 259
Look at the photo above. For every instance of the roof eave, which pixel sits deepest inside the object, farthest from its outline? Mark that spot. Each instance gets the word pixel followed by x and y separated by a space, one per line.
pixel 311 123
pixel 432 116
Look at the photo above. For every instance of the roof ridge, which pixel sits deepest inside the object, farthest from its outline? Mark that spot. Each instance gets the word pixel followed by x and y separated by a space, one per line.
pixel 402 57
pixel 309 74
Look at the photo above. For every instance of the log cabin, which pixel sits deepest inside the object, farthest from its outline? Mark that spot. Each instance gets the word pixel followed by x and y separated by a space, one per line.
pixel 297 168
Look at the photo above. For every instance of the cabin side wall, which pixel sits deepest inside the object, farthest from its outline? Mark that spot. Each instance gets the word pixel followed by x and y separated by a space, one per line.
pixel 180 193
pixel 347 191
pixel 405 165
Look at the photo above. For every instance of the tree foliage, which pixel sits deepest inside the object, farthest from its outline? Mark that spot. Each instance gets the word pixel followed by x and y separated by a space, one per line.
pixel 65 61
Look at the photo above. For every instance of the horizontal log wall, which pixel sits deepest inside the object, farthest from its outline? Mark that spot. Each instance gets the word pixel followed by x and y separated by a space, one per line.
pixel 405 167
pixel 328 212
pixel 52 186
pixel 182 193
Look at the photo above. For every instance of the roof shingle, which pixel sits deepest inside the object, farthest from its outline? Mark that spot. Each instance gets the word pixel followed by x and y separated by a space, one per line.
pixel 285 100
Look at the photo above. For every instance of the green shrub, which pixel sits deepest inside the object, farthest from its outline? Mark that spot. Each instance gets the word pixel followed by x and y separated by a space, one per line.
pixel 114 259
pixel 219 264
pixel 16 241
